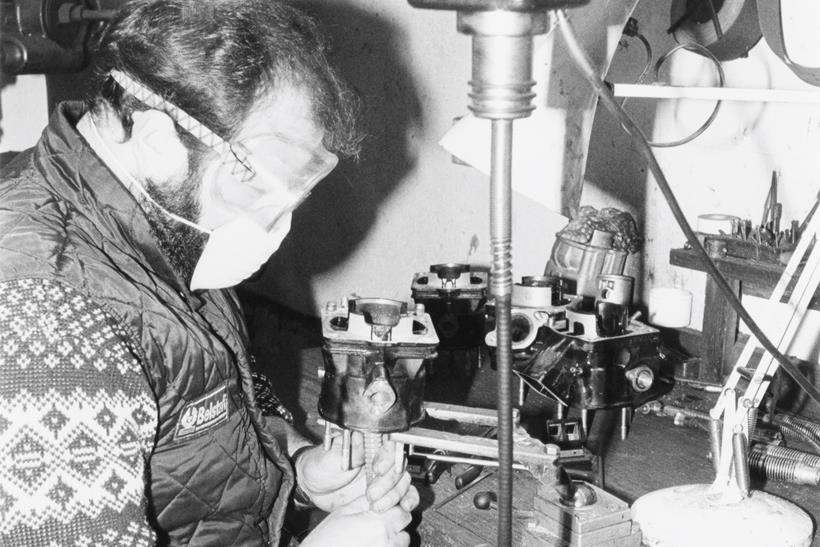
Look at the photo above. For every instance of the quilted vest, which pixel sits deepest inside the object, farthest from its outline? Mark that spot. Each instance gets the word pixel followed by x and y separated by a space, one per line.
pixel 218 476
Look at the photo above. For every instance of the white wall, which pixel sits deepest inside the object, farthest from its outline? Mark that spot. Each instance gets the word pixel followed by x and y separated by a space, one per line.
pixel 24 112
pixel 728 169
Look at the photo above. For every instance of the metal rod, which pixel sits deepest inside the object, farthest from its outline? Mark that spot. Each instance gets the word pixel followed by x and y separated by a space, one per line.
pixel 346 440
pixel 465 414
pixel 471 461
pixel 715 433
pixel 585 422
pixel 328 437
pixel 626 412
pixel 399 461
pixel 741 462
pixel 501 281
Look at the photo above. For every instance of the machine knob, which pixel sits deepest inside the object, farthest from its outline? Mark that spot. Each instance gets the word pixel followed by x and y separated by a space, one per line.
pixel 485 500
pixel 641 378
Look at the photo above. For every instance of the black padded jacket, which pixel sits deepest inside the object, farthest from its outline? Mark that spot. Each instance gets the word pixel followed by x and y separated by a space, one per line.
pixel 217 474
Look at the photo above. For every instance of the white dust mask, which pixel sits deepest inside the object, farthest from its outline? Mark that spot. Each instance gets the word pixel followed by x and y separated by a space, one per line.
pixel 235 251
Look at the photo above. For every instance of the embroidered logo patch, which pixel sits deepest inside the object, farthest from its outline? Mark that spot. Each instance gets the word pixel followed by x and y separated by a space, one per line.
pixel 202 414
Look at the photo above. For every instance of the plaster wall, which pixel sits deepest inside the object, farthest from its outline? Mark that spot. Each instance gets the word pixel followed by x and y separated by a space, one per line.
pixel 728 169
pixel 23 112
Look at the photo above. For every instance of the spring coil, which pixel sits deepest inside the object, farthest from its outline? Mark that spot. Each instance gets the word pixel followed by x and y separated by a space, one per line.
pixel 788 454
pixel 796 431
pixel 802 425
pixel 783 470
pixel 501 280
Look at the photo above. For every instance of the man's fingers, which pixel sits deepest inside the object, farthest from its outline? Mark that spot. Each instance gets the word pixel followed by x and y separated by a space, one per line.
pixel 410 500
pixel 387 490
pixel 401 539
pixel 384 458
pixel 358 505
pixel 396 518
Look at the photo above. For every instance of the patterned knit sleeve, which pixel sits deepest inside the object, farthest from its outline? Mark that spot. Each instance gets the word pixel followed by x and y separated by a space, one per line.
pixel 77 422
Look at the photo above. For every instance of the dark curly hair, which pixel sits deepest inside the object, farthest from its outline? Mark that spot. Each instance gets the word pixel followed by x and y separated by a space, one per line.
pixel 216 58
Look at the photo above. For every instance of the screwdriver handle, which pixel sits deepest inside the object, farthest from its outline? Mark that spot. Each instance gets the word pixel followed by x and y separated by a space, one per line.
pixel 468 476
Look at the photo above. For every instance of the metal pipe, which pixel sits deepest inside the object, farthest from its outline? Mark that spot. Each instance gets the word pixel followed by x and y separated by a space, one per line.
pixel 501 282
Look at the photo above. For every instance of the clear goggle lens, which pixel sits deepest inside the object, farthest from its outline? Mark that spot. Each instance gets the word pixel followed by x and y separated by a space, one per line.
pixel 283 174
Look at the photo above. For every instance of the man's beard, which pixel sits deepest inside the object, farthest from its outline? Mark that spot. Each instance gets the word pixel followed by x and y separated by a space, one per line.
pixel 181 244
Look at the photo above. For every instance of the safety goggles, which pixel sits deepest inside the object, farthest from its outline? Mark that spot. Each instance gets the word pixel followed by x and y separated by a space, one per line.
pixel 265 175
pixel 275 177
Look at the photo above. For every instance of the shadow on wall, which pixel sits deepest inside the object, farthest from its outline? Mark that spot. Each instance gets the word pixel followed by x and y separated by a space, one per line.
pixel 329 226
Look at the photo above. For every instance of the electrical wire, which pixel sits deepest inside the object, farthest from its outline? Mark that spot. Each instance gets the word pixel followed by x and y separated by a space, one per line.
pixel 696 48
pixel 643 147
pixel 631 30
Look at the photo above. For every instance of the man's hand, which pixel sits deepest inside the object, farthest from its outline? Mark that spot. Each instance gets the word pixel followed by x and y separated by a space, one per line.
pixel 319 475
pixel 354 525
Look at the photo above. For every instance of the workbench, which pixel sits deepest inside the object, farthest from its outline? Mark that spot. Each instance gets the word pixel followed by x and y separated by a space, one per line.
pixel 656 454
pixel 719 341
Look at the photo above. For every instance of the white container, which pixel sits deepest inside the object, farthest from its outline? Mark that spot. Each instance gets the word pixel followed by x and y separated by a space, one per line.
pixel 716 223
pixel 670 307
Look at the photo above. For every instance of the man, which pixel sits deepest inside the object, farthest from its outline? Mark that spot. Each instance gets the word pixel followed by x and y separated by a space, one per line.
pixel 127 412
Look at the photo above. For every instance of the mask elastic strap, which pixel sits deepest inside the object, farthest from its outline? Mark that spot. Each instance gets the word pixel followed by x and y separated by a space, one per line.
pixel 112 157
pixel 190 124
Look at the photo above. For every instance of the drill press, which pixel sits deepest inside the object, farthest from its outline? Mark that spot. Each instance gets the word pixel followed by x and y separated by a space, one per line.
pixel 501 83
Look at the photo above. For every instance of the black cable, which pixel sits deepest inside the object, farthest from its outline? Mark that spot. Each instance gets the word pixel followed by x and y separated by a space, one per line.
pixel 695 48
pixel 631 30
pixel 604 93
